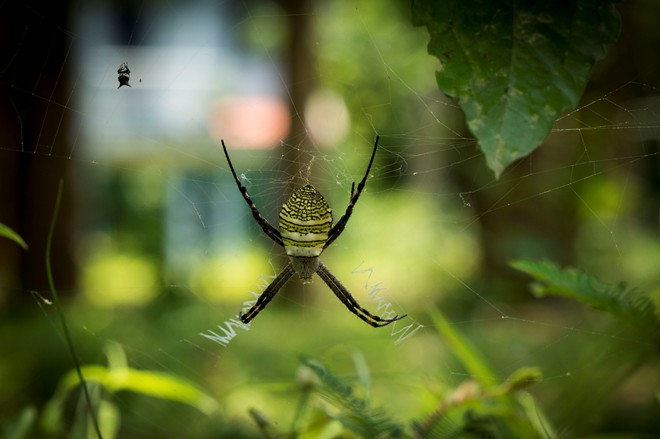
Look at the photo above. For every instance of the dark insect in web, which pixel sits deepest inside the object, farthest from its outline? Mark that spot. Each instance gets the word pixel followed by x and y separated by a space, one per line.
pixel 123 75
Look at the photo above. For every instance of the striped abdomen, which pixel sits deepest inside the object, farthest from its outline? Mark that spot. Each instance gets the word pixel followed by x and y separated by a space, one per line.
pixel 305 220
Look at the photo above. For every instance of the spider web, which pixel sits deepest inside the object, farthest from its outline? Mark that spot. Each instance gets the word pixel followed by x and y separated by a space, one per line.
pixel 165 251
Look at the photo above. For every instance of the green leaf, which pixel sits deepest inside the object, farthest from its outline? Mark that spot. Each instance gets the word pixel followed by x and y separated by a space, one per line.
pixel 465 351
pixel 356 415
pixel 515 65
pixel 9 233
pixel 536 416
pixel 150 383
pixel 21 427
pixel 630 306
pixel 520 379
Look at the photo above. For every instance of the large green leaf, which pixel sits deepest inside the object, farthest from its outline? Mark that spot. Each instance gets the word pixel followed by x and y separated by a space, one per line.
pixel 514 65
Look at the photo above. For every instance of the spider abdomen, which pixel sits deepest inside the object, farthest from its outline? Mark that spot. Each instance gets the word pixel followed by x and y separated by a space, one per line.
pixel 305 220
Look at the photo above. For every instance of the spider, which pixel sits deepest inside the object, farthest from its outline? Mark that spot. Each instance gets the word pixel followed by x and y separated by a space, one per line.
pixel 305 231
pixel 123 75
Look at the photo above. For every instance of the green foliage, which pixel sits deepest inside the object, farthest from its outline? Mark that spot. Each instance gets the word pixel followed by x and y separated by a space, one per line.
pixel 60 312
pixel 628 305
pixel 355 412
pixel 9 233
pixel 118 376
pixel 330 406
pixel 484 406
pixel 104 419
pixel 22 426
pixel 597 384
pixel 468 355
pixel 514 65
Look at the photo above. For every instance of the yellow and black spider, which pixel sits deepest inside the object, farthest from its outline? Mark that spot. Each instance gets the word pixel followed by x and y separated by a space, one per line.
pixel 305 231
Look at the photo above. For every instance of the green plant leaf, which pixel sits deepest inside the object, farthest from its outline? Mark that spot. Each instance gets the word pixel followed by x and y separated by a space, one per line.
pixel 21 427
pixel 482 404
pixel 628 305
pixel 113 379
pixel 520 379
pixel 356 415
pixel 469 356
pixel 151 383
pixel 9 233
pixel 536 416
pixel 514 65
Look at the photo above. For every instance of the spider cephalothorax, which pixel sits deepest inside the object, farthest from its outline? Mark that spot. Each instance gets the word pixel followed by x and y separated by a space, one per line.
pixel 305 231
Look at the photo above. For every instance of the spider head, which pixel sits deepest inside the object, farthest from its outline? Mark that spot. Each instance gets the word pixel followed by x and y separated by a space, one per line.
pixel 305 267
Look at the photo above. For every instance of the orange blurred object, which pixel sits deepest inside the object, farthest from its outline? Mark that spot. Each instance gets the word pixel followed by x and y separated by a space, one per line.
pixel 250 122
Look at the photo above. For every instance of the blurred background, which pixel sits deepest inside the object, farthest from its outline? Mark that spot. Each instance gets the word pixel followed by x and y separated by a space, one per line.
pixel 155 251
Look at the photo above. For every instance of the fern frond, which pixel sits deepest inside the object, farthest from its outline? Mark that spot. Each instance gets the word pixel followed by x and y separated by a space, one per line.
pixel 630 306
pixel 355 413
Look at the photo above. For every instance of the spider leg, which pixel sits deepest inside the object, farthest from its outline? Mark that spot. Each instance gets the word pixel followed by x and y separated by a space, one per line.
pixel 339 227
pixel 268 229
pixel 342 293
pixel 268 294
